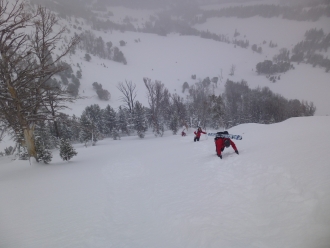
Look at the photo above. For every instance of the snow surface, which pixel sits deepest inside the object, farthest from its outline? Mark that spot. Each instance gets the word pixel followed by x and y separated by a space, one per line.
pixel 172 192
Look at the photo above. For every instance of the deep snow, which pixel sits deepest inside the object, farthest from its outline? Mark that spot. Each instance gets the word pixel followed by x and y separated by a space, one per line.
pixel 172 192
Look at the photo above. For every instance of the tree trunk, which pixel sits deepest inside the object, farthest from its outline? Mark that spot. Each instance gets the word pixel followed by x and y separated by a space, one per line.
pixel 57 133
pixel 29 142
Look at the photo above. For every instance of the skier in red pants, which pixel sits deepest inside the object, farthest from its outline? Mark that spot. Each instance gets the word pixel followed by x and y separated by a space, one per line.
pixel 222 143
pixel 198 134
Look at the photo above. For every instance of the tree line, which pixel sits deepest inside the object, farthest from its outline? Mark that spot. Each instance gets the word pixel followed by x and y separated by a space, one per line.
pixel 165 111
pixel 295 12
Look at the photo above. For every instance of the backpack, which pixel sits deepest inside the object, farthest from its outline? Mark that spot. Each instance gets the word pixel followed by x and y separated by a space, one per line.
pixel 227 143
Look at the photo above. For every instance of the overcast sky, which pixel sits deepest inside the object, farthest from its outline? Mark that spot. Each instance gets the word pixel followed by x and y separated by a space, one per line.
pixel 136 2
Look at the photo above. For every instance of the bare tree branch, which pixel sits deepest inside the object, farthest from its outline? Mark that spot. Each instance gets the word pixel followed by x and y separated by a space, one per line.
pixel 129 94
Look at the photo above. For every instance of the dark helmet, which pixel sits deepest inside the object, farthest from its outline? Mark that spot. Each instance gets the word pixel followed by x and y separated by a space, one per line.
pixel 227 143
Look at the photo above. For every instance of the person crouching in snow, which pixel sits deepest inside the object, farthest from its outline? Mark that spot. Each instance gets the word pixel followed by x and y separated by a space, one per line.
pixel 222 143
pixel 198 134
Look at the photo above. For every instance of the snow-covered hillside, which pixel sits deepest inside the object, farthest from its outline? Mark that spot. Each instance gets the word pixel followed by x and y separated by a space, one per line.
pixel 172 192
pixel 173 59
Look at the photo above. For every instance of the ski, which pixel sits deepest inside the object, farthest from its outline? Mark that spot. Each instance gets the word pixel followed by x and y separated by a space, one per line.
pixel 229 136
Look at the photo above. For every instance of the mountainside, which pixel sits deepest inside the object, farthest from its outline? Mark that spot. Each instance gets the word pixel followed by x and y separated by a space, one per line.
pixel 174 58
pixel 139 43
pixel 172 192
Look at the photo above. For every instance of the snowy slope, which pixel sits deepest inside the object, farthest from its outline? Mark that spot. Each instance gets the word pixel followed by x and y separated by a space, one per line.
pixel 169 191
pixel 174 58
pixel 172 192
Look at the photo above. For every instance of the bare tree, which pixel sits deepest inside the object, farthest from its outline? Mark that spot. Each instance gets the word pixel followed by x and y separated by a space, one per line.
pixel 44 44
pixel 55 99
pixel 158 98
pixel 129 94
pixel 26 66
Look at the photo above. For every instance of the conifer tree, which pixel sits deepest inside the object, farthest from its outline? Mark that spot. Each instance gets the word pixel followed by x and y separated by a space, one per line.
pixel 174 124
pixel 86 133
pixel 216 110
pixel 84 136
pixel 179 111
pixel 22 153
pixel 43 131
pixel 43 154
pixel 108 120
pixel 66 150
pixel 91 123
pixel 65 130
pixel 94 115
pixel 139 120
pixel 75 128
pixel 115 131
pixel 122 119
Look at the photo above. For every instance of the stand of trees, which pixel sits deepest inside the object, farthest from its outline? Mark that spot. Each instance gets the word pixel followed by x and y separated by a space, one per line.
pixel 260 105
pixel 299 13
pixel 27 94
pixel 268 67
pixel 97 47
pixel 309 49
pixel 103 94
pixel 238 104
